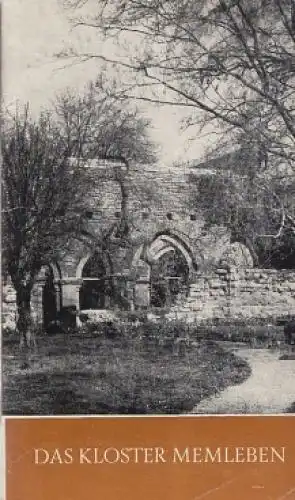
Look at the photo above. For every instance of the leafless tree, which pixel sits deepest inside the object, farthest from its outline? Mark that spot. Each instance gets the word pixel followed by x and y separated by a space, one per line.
pixel 101 124
pixel 45 192
pixel 257 215
pixel 229 63
pixel 43 197
pixel 232 59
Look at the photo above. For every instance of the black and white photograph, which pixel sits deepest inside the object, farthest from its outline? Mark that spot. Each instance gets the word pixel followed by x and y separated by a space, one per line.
pixel 148 210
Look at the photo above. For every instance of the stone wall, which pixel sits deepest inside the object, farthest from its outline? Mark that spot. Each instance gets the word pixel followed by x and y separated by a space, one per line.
pixel 238 294
pixel 163 215
pixel 262 292
pixel 159 200
pixel 8 306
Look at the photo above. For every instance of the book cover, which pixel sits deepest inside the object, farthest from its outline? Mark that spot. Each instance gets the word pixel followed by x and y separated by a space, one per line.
pixel 148 222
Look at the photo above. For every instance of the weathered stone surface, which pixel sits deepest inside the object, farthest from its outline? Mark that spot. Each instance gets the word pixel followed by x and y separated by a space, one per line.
pixel 265 293
pixel 221 279
pixel 8 307
pixel 237 255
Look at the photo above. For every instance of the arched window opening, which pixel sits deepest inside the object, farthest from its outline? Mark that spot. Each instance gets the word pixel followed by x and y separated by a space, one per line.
pixel 94 291
pixel 169 279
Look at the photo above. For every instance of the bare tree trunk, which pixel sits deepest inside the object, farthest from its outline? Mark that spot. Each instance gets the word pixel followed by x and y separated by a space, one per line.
pixel 25 324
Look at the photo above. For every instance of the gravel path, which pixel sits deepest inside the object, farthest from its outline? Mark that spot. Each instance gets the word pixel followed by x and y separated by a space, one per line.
pixel 269 389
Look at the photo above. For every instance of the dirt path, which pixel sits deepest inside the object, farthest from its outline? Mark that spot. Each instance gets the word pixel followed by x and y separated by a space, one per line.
pixel 269 389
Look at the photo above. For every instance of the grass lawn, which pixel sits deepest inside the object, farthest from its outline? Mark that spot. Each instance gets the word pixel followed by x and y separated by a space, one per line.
pixel 90 373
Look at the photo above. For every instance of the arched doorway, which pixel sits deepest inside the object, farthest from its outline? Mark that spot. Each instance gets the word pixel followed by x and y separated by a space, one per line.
pixel 169 278
pixel 162 270
pixel 94 291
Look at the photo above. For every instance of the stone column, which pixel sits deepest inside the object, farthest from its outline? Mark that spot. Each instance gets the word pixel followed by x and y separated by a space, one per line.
pixel 142 289
pixel 142 293
pixel 130 292
pixel 58 295
pixel 9 309
pixel 37 301
pixel 70 288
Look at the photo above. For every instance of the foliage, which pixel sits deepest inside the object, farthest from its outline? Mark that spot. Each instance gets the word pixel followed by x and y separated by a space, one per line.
pixel 98 124
pixel 43 202
pixel 254 213
pixel 46 181
pixel 232 59
pixel 228 63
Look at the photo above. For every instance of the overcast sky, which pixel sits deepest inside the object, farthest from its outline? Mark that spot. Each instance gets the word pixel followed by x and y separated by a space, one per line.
pixel 35 30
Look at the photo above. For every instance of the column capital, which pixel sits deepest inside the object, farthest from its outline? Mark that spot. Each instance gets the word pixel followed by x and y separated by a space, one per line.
pixel 40 281
pixel 71 281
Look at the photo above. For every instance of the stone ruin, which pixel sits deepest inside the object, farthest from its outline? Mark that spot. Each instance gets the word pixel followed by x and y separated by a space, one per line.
pixel 170 260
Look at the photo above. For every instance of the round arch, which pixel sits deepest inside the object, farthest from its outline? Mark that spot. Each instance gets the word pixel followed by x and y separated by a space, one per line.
pixel 55 270
pixel 95 287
